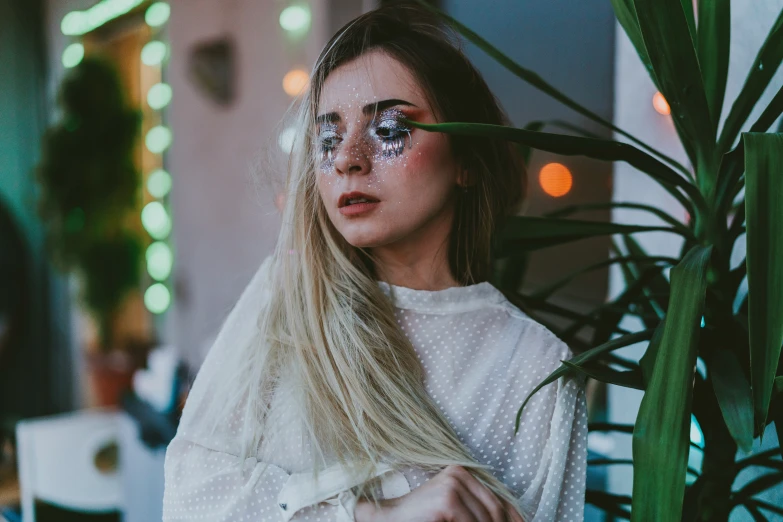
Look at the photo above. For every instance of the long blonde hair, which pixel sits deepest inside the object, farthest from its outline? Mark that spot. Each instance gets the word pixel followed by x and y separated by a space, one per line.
pixel 326 323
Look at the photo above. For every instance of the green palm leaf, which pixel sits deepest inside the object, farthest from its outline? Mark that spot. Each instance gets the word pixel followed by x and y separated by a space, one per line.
pixel 664 28
pixel 607 150
pixel 761 72
pixel 713 49
pixel 764 217
pixel 663 424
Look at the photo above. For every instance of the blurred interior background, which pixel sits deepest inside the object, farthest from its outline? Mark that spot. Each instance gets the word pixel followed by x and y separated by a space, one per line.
pixel 157 117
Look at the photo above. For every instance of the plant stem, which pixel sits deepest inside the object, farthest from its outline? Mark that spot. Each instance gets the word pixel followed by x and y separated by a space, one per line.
pixel 718 468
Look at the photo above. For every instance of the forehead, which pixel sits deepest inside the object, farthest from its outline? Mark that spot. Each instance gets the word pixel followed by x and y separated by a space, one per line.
pixel 371 77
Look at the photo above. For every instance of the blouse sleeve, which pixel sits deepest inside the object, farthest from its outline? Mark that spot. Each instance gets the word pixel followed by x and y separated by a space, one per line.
pixel 203 476
pixel 205 484
pixel 549 453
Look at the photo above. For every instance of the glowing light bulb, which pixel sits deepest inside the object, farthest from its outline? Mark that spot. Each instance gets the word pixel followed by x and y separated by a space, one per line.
pixel 154 52
pixel 156 220
pixel 286 139
pixel 295 18
pixel 660 104
pixel 159 183
pixel 159 96
pixel 295 81
pixel 73 55
pixel 159 260
pixel 555 179
pixel 157 298
pixel 157 14
pixel 158 139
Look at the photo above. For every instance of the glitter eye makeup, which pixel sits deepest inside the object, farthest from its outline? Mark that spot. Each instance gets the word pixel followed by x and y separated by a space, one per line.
pixel 391 132
pixel 384 133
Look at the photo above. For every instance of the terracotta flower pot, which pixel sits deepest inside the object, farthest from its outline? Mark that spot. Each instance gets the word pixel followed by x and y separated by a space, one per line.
pixel 111 374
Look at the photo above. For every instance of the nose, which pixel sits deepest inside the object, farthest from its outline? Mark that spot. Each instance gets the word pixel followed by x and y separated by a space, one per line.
pixel 353 156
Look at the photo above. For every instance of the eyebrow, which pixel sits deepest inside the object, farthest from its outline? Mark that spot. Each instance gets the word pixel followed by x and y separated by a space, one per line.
pixel 370 108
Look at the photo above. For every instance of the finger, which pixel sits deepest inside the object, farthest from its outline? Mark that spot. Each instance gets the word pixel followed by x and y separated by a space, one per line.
pixel 478 512
pixel 488 500
pixel 513 513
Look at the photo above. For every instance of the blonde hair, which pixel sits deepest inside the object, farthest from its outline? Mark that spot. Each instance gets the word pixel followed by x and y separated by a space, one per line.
pixel 326 324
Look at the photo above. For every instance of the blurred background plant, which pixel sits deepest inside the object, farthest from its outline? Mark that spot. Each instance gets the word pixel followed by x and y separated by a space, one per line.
pixel 90 189
pixel 697 306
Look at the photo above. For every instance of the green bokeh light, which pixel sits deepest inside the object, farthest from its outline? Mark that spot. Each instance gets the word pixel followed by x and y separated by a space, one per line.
pixel 158 139
pixel 154 52
pixel 157 298
pixel 157 14
pixel 72 55
pixel 159 260
pixel 81 22
pixel 159 183
pixel 159 96
pixel 156 220
pixel 295 18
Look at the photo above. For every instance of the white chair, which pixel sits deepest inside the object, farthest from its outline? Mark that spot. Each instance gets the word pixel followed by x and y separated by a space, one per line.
pixel 141 474
pixel 56 464
pixel 56 461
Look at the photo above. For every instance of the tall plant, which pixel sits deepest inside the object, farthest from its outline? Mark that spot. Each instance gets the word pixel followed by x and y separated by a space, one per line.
pixel 90 188
pixel 734 195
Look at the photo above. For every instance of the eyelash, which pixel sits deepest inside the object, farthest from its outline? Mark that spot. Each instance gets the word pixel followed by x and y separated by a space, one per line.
pixel 392 144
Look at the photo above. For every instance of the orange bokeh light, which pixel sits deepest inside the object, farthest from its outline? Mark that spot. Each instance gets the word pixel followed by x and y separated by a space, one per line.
pixel 660 104
pixel 555 179
pixel 295 81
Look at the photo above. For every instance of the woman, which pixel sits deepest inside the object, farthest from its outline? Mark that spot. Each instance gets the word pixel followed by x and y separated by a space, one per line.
pixel 370 371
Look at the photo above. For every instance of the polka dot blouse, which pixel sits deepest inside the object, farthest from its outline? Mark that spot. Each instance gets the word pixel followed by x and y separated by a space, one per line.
pixel 481 356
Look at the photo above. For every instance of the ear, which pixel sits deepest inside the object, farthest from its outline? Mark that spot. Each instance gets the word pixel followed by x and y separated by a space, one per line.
pixel 462 177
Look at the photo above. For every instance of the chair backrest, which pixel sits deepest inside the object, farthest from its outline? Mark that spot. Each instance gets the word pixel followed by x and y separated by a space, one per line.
pixel 57 462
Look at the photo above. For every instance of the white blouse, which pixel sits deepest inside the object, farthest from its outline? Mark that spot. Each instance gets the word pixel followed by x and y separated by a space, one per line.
pixel 481 356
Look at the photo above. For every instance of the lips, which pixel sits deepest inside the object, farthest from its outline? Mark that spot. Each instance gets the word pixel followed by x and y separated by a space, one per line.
pixel 345 197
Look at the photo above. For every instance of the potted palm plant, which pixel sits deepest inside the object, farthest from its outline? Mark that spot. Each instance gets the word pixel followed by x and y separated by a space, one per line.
pixel 734 195
pixel 89 192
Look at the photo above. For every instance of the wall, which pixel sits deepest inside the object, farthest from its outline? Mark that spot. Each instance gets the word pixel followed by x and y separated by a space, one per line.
pixel 223 226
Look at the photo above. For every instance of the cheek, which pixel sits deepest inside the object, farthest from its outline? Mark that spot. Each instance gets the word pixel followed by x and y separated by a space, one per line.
pixel 428 166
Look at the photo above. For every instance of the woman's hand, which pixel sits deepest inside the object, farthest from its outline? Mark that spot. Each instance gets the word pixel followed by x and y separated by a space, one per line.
pixel 453 495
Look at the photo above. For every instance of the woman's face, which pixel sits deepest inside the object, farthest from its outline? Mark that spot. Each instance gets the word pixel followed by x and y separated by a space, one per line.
pixel 361 145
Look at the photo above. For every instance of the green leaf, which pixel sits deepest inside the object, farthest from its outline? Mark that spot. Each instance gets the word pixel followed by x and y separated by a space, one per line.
pixel 551 288
pixel 687 8
pixel 764 221
pixel 610 314
pixel 524 149
pixel 734 397
pixel 612 504
pixel 647 362
pixel 539 83
pixel 657 291
pixel 582 358
pixel 757 515
pixel 572 209
pixel 759 485
pixel 713 49
pixel 603 373
pixel 664 28
pixel 761 72
pixel 732 165
pixel 525 233
pixel 664 420
pixel 607 150
pixel 777 416
pixel 625 12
